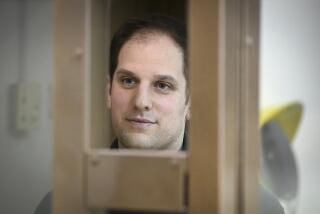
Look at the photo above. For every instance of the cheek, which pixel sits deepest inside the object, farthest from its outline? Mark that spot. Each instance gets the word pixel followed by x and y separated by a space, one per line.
pixel 171 106
pixel 119 99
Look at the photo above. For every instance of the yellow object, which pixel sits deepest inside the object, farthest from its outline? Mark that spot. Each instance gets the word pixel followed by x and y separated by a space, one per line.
pixel 287 116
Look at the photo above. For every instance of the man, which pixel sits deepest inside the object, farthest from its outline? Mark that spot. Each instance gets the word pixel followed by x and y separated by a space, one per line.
pixel 148 90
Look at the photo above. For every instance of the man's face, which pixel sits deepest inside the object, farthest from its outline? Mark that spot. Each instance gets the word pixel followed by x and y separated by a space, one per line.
pixel 148 95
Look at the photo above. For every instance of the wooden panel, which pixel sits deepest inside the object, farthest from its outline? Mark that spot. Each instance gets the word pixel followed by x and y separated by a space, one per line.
pixel 239 113
pixel 204 148
pixel 249 106
pixel 136 180
pixel 69 106
pixel 98 37
pixel 230 72
pixel 223 61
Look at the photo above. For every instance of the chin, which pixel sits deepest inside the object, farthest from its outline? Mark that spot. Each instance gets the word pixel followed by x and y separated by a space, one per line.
pixel 137 141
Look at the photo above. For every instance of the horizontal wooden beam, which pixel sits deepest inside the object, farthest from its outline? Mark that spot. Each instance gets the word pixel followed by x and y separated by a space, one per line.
pixel 136 180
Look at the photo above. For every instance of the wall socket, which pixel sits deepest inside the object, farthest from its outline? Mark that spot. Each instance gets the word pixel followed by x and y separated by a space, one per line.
pixel 28 106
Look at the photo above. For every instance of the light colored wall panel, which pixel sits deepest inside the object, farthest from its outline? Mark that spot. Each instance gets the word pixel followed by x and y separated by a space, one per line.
pixel 26 44
pixel 290 71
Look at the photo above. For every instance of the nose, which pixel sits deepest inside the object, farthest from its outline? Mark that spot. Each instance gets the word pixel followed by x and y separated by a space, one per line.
pixel 143 101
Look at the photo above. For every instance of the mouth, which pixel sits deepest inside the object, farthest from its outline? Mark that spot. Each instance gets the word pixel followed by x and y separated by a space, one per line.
pixel 140 122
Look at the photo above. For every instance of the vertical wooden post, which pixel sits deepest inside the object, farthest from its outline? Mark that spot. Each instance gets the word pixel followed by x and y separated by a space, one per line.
pixel 249 114
pixel 223 57
pixel 69 105
pixel 98 32
pixel 204 76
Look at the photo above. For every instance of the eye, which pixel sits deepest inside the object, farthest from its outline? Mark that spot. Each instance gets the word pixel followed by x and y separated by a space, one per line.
pixel 127 82
pixel 163 87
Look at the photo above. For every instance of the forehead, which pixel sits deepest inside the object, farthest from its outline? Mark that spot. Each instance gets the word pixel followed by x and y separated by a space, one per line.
pixel 153 54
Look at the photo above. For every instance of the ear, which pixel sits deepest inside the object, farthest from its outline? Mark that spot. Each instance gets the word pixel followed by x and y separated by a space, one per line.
pixel 108 94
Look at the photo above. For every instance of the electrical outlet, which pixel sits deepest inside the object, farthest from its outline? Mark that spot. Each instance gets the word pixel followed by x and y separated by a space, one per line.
pixel 28 109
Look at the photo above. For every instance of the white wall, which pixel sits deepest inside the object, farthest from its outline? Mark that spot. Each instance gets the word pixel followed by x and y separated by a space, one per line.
pixel 25 159
pixel 290 70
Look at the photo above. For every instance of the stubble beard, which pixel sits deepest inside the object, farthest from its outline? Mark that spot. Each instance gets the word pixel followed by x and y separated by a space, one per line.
pixel 161 140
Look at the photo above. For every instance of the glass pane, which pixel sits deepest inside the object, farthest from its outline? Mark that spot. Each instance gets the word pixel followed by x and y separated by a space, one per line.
pixel 25 110
pixel 290 51
pixel 123 10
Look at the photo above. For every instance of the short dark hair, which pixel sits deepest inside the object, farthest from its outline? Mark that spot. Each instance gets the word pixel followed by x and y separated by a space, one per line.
pixel 155 23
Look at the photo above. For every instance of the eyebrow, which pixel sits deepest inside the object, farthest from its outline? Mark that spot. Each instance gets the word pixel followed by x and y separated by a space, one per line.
pixel 126 72
pixel 157 77
pixel 166 78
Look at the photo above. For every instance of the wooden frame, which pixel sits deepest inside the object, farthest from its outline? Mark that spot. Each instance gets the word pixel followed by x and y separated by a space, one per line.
pixel 68 106
pixel 136 180
pixel 222 160
pixel 224 127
